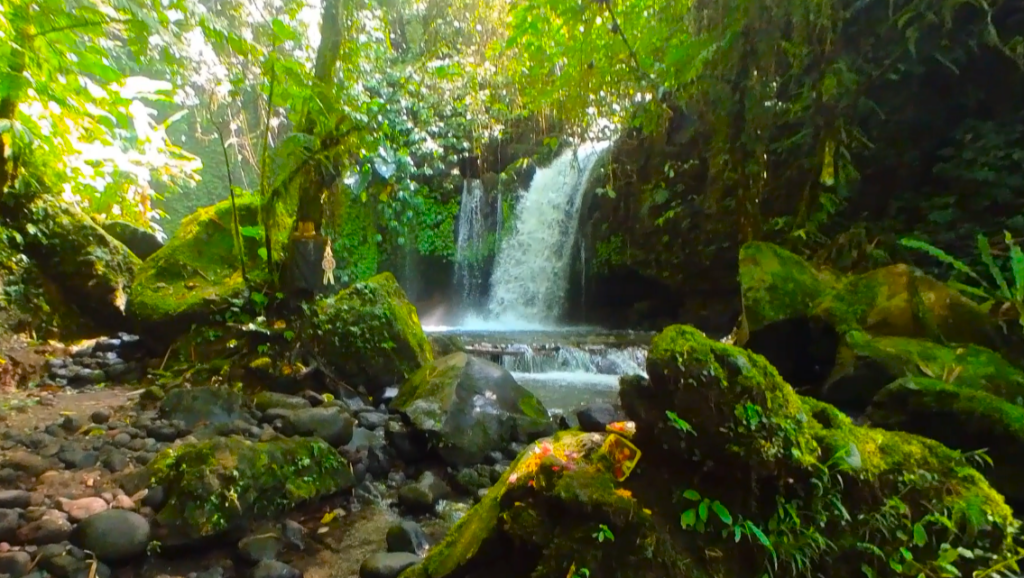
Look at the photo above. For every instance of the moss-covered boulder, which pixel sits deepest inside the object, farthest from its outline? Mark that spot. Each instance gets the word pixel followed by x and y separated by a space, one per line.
pixel 737 476
pixel 468 407
pixel 737 403
pixel 197 272
pixel 543 518
pixel 369 334
pixel 777 284
pixel 901 301
pixel 866 364
pixel 960 417
pixel 90 270
pixel 222 484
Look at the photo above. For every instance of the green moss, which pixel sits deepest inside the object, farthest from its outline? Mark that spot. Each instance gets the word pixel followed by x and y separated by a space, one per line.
pixel 901 301
pixel 369 333
pixel 216 485
pixel 901 464
pixel 757 414
pixel 961 418
pixel 433 383
pixel 969 366
pixel 777 284
pixel 352 228
pixel 198 271
pixel 551 500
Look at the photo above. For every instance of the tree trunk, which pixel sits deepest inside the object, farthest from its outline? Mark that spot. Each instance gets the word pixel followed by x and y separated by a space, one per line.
pixel 310 209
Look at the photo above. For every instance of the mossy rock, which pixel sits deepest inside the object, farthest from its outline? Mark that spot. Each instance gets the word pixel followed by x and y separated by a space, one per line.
pixel 777 284
pixel 962 418
pixel 369 334
pixel 541 517
pixel 866 364
pixel 468 407
pixel 89 268
pixel 195 406
pixel 140 242
pixel 224 483
pixel 197 273
pixel 740 407
pixel 778 460
pixel 901 301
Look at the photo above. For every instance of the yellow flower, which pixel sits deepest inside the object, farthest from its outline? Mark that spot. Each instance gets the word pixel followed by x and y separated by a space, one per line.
pixel 624 493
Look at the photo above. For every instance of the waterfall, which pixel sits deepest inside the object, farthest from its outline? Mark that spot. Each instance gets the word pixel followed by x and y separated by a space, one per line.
pixel 531 272
pixel 469 245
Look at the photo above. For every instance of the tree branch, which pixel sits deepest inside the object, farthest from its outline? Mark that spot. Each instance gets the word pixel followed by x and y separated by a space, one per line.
pixel 86 24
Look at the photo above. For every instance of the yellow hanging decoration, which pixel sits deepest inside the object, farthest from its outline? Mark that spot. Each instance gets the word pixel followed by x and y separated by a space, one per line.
pixel 328 264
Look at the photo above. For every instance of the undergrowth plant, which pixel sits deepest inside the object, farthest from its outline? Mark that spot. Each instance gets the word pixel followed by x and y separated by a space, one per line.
pixel 1005 293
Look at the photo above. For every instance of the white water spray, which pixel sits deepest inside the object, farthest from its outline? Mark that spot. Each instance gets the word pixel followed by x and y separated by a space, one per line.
pixel 531 272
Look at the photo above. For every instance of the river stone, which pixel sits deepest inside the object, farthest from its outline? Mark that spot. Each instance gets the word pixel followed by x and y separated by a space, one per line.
pixel 206 405
pixel 387 564
pixel 15 564
pixel 113 535
pixel 407 536
pixel 15 499
pixel 266 400
pixel 469 407
pixel 9 522
pixel 330 424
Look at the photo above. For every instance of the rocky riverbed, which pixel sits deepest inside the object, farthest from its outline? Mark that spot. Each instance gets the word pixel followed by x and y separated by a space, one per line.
pixel 76 453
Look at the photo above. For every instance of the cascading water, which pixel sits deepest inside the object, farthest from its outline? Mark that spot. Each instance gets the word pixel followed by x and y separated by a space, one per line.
pixel 531 272
pixel 469 244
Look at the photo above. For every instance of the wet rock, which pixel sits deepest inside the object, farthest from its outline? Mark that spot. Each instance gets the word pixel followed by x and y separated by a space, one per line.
pixel 15 499
pixel 82 508
pixel 597 416
pixel 403 442
pixel 260 547
pixel 275 569
pixel 293 533
pixel 155 498
pixel 387 564
pixel 372 420
pixel 407 536
pixel 469 407
pixel 9 523
pixel 47 530
pixel 421 497
pixel 113 535
pixel 78 459
pixel 29 463
pixel 100 416
pixel 327 423
pixel 203 405
pixel 15 564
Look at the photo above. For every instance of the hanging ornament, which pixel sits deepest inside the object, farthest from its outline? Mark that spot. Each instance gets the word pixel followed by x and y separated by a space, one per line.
pixel 328 264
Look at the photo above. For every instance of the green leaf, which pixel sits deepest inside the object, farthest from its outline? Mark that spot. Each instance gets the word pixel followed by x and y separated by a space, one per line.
pixel 692 495
pixel 689 518
pixel 723 513
pixel 986 256
pixel 702 511
pixel 920 537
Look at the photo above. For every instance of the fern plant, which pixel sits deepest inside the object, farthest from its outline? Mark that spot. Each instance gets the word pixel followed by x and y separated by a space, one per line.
pixel 1008 293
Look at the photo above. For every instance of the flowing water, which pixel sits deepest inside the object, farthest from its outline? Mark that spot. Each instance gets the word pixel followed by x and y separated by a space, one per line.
pixel 531 272
pixel 470 242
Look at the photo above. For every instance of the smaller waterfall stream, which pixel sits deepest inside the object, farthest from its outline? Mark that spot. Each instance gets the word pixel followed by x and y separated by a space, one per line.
pixel 470 242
